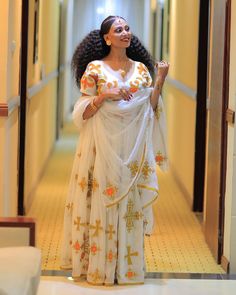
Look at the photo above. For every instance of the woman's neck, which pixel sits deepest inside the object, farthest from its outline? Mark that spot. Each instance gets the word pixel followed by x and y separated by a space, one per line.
pixel 117 54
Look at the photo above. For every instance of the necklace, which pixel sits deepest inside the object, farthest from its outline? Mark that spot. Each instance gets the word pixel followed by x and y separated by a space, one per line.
pixel 123 70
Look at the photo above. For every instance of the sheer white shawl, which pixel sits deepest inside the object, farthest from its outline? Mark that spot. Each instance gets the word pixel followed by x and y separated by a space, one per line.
pixel 129 138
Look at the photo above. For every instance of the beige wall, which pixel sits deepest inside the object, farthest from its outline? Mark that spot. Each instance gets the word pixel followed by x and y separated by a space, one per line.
pixel 41 108
pixel 10 15
pixel 180 106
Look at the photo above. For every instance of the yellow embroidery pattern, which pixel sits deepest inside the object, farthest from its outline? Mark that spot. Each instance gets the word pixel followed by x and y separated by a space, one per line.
pixel 133 167
pixel 78 223
pixel 113 84
pixel 130 216
pixel 158 112
pixel 110 231
pixel 97 228
pixel 94 69
pixel 141 69
pixel 147 170
pixel 130 254
pixel 69 206
pixel 101 82
pixel 95 185
pixel 95 276
pixel 83 184
pixel 87 82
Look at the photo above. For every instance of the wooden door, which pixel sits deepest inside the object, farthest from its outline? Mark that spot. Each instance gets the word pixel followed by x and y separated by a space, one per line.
pixel 217 137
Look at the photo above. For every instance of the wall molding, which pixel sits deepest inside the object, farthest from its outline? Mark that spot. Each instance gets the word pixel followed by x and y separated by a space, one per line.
pixel 35 89
pixel 8 107
pixel 182 87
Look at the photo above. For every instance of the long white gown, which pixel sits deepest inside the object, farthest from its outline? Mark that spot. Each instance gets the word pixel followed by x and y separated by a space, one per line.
pixel 113 182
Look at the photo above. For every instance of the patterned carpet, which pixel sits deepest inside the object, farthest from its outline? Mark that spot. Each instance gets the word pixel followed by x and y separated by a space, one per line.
pixel 177 244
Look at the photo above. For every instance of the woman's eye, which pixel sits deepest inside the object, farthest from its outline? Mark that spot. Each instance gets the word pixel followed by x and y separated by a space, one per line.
pixel 118 30
pixel 127 29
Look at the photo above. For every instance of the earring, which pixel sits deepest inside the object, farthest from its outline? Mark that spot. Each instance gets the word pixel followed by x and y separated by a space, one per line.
pixel 108 43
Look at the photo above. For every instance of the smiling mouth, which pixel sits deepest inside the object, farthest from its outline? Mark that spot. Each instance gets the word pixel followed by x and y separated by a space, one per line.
pixel 125 39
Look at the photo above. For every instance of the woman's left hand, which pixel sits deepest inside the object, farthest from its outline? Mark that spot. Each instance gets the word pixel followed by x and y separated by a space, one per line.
pixel 162 69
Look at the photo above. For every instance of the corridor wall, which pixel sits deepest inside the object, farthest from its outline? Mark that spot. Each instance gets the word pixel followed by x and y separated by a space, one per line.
pixel 10 15
pixel 42 98
pixel 180 48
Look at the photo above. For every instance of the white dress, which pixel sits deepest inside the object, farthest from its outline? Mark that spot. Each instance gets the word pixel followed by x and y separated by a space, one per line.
pixel 113 182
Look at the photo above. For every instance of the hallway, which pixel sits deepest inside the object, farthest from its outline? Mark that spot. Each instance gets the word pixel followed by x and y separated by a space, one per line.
pixel 176 246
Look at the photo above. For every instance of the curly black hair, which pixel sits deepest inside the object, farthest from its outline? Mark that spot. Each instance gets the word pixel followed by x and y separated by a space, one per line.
pixel 94 47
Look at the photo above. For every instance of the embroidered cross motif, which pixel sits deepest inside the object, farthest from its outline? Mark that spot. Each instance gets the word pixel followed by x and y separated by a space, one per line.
pixel 78 223
pixel 131 215
pixel 110 231
pixel 111 256
pixel 110 191
pixel 77 246
pixel 95 276
pixel 133 167
pixel 97 228
pixel 130 254
pixel 160 158
pixel 94 249
pixel 69 206
pixel 83 184
pixel 147 170
pixel 130 273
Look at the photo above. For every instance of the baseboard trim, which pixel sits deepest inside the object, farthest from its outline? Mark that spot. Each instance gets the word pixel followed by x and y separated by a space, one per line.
pixel 225 264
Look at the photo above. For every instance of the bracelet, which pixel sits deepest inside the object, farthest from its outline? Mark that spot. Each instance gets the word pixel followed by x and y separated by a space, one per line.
pixel 93 106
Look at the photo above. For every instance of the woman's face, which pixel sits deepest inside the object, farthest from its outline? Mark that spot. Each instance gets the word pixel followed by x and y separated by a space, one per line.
pixel 119 34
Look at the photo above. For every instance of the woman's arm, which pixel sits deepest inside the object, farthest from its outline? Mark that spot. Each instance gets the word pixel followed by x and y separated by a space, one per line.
pixel 93 107
pixel 96 103
pixel 163 68
pixel 156 92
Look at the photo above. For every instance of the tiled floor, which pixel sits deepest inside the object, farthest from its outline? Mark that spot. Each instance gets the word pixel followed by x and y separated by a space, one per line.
pixel 62 286
pixel 177 244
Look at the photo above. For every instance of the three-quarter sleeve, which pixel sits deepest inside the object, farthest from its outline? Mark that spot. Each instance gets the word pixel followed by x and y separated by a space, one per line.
pixel 88 83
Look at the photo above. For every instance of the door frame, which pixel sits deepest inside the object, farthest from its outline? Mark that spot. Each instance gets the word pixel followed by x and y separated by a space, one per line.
pixel 201 111
pixel 224 135
pixel 23 100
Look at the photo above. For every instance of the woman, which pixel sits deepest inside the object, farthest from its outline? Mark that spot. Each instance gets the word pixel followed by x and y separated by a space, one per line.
pixel 113 182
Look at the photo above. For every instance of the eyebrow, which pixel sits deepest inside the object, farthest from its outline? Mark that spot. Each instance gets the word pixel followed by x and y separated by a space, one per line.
pixel 116 27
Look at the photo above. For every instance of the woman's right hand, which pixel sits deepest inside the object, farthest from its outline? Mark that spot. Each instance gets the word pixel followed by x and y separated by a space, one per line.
pixel 117 94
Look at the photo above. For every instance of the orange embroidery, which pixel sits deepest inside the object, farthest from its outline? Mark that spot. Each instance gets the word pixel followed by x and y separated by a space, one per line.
pixel 110 256
pixel 87 82
pixel 94 249
pixel 130 274
pixel 77 246
pixel 110 191
pixel 159 158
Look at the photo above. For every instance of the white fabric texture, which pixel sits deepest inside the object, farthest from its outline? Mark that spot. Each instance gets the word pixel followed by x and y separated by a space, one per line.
pixel 114 181
pixel 20 269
